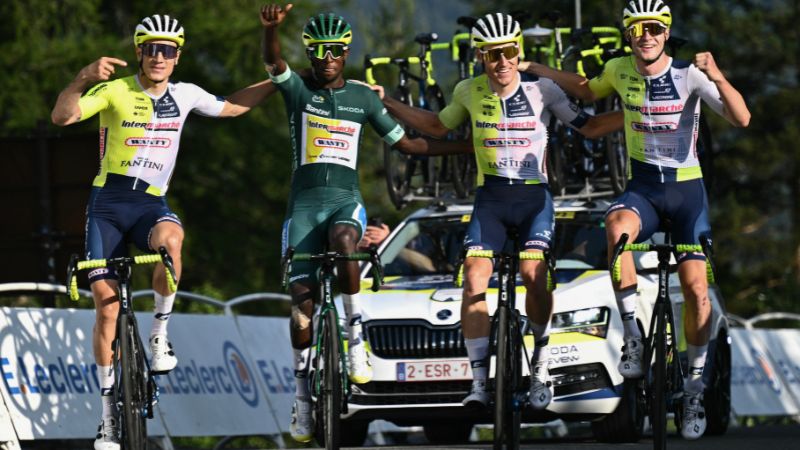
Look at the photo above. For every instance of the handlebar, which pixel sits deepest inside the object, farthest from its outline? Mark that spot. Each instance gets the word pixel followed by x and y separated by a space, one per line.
pixel 162 257
pixel 521 256
pixel 370 256
pixel 623 246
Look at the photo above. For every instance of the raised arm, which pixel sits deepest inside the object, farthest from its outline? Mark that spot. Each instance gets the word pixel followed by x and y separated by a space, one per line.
pixel 244 99
pixel 734 108
pixel 271 17
pixel 574 84
pixel 66 110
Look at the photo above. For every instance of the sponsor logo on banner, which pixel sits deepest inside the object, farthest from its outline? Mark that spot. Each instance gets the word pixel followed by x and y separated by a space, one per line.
pixel 759 374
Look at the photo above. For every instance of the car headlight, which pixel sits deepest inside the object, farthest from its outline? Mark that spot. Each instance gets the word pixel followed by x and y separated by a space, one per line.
pixel 591 321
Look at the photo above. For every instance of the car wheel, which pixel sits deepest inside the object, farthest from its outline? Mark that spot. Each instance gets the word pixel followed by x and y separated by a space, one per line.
pixel 717 397
pixel 354 433
pixel 626 423
pixel 448 433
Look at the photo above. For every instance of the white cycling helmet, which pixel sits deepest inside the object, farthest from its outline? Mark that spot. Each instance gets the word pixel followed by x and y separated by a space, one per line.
pixel 493 29
pixel 158 27
pixel 646 10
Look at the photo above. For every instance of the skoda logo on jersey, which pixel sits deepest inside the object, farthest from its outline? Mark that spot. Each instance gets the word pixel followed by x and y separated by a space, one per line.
pixel 317 99
pixel 331 143
pixel 351 109
pixel 240 374
pixel 444 314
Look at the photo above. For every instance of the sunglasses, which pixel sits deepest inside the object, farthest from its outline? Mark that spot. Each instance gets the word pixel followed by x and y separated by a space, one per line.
pixel 494 54
pixel 637 30
pixel 152 50
pixel 321 51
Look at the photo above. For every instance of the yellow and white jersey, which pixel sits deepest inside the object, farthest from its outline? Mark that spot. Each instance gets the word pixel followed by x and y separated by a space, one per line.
pixel 140 133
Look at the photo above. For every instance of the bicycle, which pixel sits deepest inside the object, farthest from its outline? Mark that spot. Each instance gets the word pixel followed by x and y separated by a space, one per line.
pixel 329 382
pixel 510 396
pixel 135 389
pixel 400 168
pixel 464 170
pixel 663 383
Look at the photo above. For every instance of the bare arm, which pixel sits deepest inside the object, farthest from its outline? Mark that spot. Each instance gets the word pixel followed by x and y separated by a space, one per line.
pixel 66 111
pixel 572 83
pixel 432 147
pixel 424 121
pixel 271 16
pixel 245 99
pixel 734 108
pixel 602 124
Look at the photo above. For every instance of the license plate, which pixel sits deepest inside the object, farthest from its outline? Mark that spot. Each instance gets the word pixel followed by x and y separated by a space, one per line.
pixel 434 370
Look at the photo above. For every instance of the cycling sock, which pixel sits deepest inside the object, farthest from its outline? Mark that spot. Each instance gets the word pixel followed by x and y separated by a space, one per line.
pixel 541 335
pixel 105 376
pixel 352 309
pixel 696 355
pixel 478 352
pixel 626 302
pixel 163 309
pixel 301 372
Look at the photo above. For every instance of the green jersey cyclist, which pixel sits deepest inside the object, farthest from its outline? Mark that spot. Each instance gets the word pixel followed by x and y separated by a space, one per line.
pixel 326 119
pixel 509 113
pixel 661 99
pixel 141 119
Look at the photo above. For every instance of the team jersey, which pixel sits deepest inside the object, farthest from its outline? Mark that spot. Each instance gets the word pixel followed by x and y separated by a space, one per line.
pixel 325 127
pixel 510 134
pixel 662 115
pixel 140 133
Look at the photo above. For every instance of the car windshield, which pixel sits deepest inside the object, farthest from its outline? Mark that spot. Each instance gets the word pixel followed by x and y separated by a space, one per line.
pixel 431 246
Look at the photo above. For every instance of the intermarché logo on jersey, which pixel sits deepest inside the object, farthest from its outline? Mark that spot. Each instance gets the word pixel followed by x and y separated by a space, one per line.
pixel 333 129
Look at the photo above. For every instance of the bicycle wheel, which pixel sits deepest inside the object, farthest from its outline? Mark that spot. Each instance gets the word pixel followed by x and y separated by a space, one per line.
pixel 133 384
pixel 658 411
pixel 399 168
pixel 506 414
pixel 617 154
pixel 331 382
pixel 462 167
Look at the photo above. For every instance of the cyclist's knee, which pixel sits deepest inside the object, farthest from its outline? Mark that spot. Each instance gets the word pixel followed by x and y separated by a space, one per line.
pixel 622 221
pixel 301 316
pixel 344 238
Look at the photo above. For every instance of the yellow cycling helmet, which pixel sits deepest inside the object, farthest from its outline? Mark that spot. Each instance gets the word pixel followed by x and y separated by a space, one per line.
pixel 646 10
pixel 158 27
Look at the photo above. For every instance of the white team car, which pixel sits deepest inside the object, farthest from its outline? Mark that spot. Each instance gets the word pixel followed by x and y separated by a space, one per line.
pixel 421 370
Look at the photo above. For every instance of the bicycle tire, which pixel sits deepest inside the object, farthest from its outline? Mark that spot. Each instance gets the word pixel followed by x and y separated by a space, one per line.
pixel 462 166
pixel 133 384
pixel 332 382
pixel 616 154
pixel 502 402
pixel 398 167
pixel 658 412
pixel 515 381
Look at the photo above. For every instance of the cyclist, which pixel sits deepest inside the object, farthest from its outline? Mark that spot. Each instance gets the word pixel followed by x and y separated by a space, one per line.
pixel 326 117
pixel 509 113
pixel 141 119
pixel 661 98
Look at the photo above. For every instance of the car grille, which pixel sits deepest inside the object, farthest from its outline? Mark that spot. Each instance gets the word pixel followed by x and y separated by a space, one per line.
pixel 393 393
pixel 391 339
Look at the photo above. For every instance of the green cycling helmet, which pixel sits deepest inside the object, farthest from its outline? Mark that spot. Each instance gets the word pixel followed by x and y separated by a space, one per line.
pixel 327 28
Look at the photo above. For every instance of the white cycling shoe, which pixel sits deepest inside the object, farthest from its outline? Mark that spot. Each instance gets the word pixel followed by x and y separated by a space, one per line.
pixel 359 370
pixel 162 358
pixel 693 422
pixel 107 435
pixel 302 425
pixel 630 365
pixel 478 397
pixel 541 392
